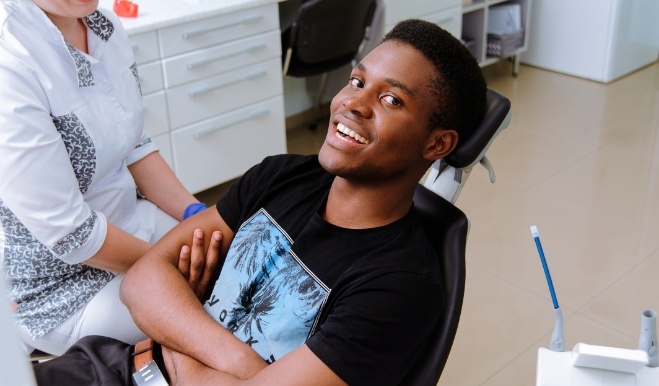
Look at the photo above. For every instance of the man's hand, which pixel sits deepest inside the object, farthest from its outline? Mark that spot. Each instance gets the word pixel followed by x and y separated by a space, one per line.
pixel 178 365
pixel 198 266
pixel 170 367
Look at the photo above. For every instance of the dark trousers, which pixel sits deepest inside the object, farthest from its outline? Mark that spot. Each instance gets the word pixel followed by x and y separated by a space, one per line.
pixel 92 361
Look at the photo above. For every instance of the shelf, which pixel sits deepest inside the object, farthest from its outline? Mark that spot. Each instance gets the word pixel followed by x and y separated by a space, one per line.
pixel 474 28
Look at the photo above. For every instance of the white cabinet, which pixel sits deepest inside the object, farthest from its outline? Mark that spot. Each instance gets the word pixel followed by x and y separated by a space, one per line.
pixel 466 19
pixel 212 91
pixel 225 146
pixel 475 17
pixel 600 40
pixel 445 13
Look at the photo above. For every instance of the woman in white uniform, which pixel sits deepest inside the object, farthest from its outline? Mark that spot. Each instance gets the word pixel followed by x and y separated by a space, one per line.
pixel 83 190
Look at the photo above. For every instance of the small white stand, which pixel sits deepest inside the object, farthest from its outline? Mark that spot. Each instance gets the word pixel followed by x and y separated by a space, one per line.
pixel 593 366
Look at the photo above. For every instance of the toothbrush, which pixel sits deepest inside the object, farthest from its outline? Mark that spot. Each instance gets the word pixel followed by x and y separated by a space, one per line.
pixel 557 342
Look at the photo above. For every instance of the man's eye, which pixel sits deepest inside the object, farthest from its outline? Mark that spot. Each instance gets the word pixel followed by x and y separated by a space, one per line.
pixel 392 100
pixel 356 82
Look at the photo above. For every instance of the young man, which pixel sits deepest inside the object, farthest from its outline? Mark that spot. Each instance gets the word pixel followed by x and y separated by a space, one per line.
pixel 328 277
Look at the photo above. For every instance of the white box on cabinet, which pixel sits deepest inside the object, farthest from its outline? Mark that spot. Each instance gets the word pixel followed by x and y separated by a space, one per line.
pixel 504 19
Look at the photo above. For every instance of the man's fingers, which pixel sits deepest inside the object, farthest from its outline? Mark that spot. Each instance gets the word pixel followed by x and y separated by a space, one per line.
pixel 212 261
pixel 196 259
pixel 184 262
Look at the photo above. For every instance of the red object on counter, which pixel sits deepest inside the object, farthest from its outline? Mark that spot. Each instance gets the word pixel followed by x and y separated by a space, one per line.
pixel 125 8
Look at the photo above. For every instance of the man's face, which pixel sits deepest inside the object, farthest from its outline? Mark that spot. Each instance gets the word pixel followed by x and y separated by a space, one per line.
pixel 378 126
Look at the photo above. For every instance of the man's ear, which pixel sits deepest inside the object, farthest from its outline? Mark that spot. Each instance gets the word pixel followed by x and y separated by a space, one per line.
pixel 440 144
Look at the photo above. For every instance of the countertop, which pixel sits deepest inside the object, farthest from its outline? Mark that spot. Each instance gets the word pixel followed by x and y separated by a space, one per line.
pixel 155 14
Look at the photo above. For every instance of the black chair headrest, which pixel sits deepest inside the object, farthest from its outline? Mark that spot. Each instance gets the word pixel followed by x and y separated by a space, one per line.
pixel 472 147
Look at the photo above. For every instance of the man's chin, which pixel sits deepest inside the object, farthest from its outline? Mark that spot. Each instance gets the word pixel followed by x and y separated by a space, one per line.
pixel 324 158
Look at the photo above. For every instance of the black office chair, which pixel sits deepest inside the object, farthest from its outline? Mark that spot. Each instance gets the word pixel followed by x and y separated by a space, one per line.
pixel 325 35
pixel 447 227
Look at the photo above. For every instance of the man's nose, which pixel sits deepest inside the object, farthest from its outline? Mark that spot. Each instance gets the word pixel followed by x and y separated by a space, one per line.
pixel 358 103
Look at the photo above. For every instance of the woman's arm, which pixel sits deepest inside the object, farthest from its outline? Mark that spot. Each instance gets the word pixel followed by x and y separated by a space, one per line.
pixel 119 251
pixel 157 182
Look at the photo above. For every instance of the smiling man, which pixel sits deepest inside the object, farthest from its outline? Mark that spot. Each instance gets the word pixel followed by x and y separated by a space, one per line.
pixel 327 277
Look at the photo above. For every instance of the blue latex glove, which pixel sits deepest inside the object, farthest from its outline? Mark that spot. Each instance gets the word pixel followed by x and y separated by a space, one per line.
pixel 193 208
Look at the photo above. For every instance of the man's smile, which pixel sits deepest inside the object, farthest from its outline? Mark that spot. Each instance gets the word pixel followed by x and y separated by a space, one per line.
pixel 346 134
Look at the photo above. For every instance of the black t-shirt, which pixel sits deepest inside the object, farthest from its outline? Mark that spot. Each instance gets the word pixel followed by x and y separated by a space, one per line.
pixel 364 301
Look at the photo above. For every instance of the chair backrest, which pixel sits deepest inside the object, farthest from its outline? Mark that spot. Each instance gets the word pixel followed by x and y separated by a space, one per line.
pixel 325 35
pixel 447 228
pixel 447 176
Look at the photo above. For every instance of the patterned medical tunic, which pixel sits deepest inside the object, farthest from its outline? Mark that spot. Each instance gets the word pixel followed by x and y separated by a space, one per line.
pixel 70 124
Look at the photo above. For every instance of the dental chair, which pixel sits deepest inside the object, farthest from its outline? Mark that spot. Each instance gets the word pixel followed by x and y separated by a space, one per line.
pixel 447 227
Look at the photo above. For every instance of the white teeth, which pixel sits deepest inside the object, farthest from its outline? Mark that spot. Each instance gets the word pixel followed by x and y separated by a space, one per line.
pixel 345 130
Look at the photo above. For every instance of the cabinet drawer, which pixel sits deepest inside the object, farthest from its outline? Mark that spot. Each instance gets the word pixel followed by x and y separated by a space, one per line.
pixel 150 77
pixel 155 114
pixel 145 47
pixel 199 100
pixel 164 145
pixel 397 10
pixel 214 60
pixel 450 20
pixel 216 30
pixel 224 147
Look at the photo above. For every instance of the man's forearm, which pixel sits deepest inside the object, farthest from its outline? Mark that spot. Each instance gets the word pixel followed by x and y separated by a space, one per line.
pixel 168 311
pixel 186 371
pixel 164 306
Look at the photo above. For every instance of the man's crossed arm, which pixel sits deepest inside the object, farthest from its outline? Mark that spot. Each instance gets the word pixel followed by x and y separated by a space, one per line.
pixel 163 291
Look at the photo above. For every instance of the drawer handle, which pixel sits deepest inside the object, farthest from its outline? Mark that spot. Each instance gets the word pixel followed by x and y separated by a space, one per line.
pixel 201 91
pixel 210 130
pixel 248 20
pixel 444 20
pixel 248 50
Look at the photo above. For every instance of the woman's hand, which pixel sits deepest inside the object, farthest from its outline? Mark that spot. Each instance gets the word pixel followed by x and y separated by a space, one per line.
pixel 199 267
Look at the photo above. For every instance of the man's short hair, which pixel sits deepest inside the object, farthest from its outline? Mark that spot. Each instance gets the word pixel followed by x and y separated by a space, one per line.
pixel 460 88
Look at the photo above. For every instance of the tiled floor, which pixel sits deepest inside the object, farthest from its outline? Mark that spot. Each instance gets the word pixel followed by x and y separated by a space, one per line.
pixel 580 160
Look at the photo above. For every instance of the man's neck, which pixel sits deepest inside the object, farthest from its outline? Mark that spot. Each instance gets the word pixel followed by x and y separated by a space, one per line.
pixel 357 206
